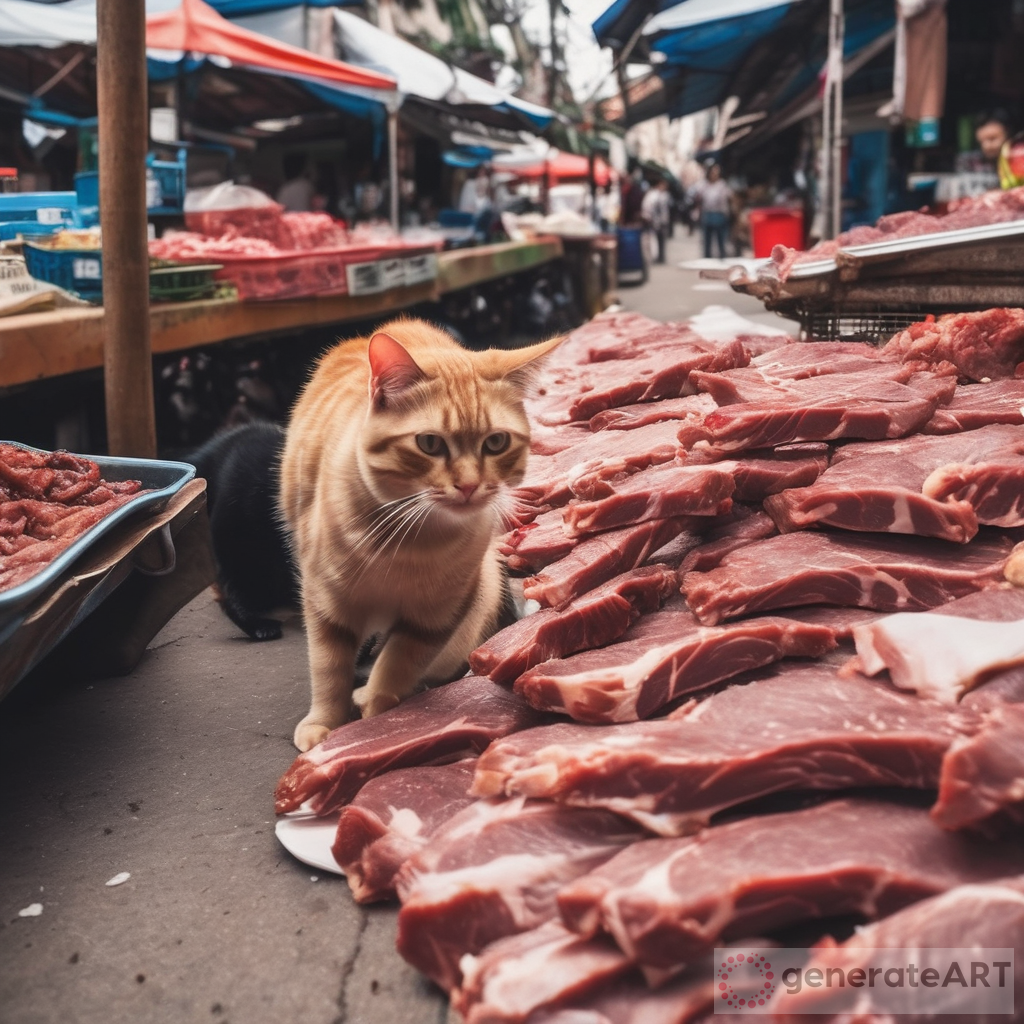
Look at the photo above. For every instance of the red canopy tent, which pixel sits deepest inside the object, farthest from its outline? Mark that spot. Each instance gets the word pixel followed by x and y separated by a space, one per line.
pixel 563 167
pixel 195 27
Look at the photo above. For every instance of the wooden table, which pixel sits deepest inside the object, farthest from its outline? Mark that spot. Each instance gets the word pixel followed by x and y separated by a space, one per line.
pixel 38 345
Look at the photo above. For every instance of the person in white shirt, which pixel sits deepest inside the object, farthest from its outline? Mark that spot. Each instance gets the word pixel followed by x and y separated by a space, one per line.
pixel 715 198
pixel 657 211
pixel 474 197
pixel 296 194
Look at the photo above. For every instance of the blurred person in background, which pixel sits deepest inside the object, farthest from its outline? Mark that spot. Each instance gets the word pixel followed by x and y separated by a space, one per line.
pixel 296 194
pixel 475 196
pixel 715 199
pixel 657 212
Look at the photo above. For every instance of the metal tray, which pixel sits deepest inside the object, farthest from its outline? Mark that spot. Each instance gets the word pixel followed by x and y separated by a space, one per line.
pixel 163 478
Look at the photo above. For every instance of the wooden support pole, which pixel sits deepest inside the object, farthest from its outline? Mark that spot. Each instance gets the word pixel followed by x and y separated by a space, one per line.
pixel 393 167
pixel 123 110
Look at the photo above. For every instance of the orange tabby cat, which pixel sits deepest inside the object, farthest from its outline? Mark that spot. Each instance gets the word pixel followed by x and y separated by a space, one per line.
pixel 396 463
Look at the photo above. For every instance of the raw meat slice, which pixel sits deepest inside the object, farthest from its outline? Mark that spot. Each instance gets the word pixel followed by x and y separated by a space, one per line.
pixel 530 547
pixel 928 486
pixel 938 656
pixel 444 724
pixel 391 818
pixel 610 452
pixel 596 559
pixel 812 358
pixel 493 871
pixel 742 527
pixel 518 977
pixel 629 417
pixel 840 620
pixel 979 405
pixel 982 780
pixel 663 657
pixel 595 619
pixel 886 574
pixel 662 492
pixel 983 917
pixel 803 728
pixel 825 408
pixel 670 901
pixel 664 374
pixel 983 345
pixel 545 441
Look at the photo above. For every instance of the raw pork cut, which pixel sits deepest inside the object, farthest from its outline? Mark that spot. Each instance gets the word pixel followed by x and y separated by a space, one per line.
pixel 803 728
pixel 928 486
pixel 516 979
pixel 979 405
pixel 530 547
pixel 887 574
pixel 982 780
pixel 495 870
pixel 743 526
pixel 596 618
pixel 670 901
pixel 825 408
pixel 629 417
pixel 663 492
pixel 663 657
pixel 391 818
pixel 444 724
pixel 987 916
pixel 596 559
pixel 984 345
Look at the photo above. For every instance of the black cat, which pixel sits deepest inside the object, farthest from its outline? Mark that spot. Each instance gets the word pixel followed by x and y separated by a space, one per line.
pixel 255 570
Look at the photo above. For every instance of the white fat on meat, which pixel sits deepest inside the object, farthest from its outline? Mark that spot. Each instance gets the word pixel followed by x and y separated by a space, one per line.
pixel 938 656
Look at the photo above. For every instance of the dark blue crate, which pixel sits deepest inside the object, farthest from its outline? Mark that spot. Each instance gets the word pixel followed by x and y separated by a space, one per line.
pixel 631 250
pixel 75 270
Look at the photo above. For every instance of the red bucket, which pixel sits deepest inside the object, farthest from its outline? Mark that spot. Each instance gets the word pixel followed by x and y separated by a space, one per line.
pixel 775 225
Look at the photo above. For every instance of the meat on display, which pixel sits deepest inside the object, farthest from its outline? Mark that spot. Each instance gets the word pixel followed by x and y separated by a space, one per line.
pixel 818 731
pixel 593 620
pixel 929 486
pixel 665 656
pixel 444 724
pixel 391 818
pixel 880 572
pixel 629 417
pixel 979 405
pixel 671 901
pixel 495 870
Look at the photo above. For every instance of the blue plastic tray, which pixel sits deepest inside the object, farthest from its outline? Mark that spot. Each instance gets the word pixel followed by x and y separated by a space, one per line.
pixel 164 479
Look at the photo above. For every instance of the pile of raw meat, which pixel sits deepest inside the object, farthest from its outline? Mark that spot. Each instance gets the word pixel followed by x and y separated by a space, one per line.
pixel 995 207
pixel 47 501
pixel 773 684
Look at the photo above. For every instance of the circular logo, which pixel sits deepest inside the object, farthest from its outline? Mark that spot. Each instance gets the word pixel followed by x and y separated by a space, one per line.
pixel 745 981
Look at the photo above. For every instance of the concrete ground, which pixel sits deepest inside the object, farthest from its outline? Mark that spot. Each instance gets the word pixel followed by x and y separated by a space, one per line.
pixel 167 774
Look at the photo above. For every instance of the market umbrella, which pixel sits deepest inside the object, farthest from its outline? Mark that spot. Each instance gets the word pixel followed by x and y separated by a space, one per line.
pixel 195 27
pixel 558 166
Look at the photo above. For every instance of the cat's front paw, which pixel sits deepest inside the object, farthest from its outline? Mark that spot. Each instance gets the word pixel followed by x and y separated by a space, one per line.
pixel 371 704
pixel 308 734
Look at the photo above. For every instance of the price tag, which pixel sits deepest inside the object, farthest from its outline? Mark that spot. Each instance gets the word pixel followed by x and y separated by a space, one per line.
pixel 421 268
pixel 85 269
pixel 50 215
pixel 392 273
pixel 364 278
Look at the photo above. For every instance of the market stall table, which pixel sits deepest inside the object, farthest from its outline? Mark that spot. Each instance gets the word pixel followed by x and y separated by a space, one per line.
pixel 34 346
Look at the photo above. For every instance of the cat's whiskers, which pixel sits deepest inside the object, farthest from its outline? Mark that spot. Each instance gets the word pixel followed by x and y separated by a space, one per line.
pixel 382 527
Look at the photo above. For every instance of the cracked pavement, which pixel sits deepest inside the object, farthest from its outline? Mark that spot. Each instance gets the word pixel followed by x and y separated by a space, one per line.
pixel 168 774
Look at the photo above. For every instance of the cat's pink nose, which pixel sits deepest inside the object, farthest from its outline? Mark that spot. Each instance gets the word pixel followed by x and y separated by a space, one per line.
pixel 468 490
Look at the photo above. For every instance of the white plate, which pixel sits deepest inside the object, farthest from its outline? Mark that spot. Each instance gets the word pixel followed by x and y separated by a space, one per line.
pixel 309 839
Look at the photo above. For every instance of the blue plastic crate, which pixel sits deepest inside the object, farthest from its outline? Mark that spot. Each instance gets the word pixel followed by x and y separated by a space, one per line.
pixel 11 229
pixel 75 270
pixel 165 184
pixel 631 255
pixel 41 207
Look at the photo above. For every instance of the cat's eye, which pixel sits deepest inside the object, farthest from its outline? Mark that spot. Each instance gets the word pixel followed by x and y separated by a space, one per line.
pixel 431 444
pixel 496 443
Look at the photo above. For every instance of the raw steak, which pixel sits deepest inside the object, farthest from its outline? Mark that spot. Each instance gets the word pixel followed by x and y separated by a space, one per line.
pixel 444 724
pixel 532 546
pixel 988 344
pixel 545 441
pixel 663 657
pixel 595 619
pixel 825 408
pixel 883 573
pixel 391 818
pixel 812 358
pixel 493 871
pixel 743 526
pixel 517 978
pixel 983 916
pixel 840 620
pixel 670 901
pixel 596 559
pixel 607 453
pixel 803 728
pixel 979 405
pixel 982 780
pixel 629 417
pixel 928 486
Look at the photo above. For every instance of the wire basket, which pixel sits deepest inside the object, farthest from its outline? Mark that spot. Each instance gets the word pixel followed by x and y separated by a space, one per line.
pixel 876 328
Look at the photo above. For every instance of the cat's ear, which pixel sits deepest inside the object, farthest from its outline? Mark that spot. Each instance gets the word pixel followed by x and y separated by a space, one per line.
pixel 392 370
pixel 517 366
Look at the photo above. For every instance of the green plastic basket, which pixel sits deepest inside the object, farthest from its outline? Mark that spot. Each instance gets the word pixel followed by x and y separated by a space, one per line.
pixel 179 282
